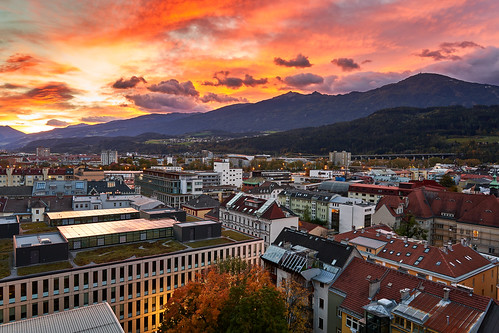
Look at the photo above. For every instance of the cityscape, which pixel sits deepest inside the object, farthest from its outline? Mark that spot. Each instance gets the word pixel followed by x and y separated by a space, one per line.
pixel 202 166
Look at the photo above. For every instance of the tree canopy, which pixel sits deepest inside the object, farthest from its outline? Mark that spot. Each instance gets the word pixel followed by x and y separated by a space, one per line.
pixel 231 297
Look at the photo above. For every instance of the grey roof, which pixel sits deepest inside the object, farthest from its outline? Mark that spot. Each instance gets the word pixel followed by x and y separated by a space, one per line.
pixel 334 187
pixel 96 318
pixel 108 186
pixel 368 242
pixel 13 191
pixel 274 254
pixel 202 202
pixel 38 239
pixel 59 187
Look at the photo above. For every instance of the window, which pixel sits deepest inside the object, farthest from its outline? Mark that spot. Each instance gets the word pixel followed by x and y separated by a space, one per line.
pixel 321 323
pixel 321 303
pixel 352 323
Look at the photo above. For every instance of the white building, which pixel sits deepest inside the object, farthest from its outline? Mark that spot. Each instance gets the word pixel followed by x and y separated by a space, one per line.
pixel 228 176
pixel 108 157
pixel 327 174
pixel 261 218
pixel 348 214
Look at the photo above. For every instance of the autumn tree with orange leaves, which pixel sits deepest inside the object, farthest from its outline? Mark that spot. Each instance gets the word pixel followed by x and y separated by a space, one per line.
pixel 231 297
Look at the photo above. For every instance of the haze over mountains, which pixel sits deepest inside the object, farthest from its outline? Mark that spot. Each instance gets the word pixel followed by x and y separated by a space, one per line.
pixel 289 111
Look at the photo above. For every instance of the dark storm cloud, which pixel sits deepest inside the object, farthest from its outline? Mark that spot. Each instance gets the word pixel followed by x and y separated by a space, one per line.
pixel 130 83
pixel 303 79
pixel 174 87
pixel 300 62
pixel 212 97
pixel 223 79
pixel 57 123
pixel 346 64
pixel 162 102
pixel 446 50
pixel 482 66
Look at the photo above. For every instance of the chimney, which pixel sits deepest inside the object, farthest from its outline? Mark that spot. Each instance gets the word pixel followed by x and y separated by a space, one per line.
pixel 447 319
pixel 405 239
pixel 449 245
pixel 287 245
pixel 444 249
pixel 446 293
pixel 362 230
pixel 404 293
pixel 374 287
pixel 425 243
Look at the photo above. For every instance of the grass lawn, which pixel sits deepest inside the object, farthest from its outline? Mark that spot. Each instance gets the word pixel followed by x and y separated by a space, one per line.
pixel 125 251
pixel 209 242
pixel 54 266
pixel 235 235
pixel 36 227
pixel 5 251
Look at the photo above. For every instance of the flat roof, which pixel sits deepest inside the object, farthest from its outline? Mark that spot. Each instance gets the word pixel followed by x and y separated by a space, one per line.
pixel 193 224
pixel 95 318
pixel 71 214
pixel 115 227
pixel 161 210
pixel 38 239
pixel 367 242
pixel 8 219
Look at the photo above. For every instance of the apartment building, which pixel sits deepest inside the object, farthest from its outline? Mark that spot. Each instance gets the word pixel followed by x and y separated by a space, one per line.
pixel 368 297
pixel 108 157
pixel 313 262
pixel 337 212
pixel 261 218
pixel 228 176
pixel 457 264
pixel 171 188
pixel 136 288
pixel 29 176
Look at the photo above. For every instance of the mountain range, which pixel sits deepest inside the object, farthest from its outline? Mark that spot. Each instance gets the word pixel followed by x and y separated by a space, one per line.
pixel 288 111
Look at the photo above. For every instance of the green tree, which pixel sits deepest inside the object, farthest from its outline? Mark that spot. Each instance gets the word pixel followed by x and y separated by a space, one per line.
pixel 447 181
pixel 307 217
pixel 410 228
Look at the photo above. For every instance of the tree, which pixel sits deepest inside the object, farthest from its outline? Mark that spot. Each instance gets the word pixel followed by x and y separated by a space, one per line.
pixel 306 215
pixel 447 181
pixel 410 228
pixel 298 311
pixel 231 297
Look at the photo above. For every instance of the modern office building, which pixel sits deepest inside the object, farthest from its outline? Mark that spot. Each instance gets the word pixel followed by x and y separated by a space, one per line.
pixel 228 176
pixel 172 188
pixel 136 288
pixel 91 216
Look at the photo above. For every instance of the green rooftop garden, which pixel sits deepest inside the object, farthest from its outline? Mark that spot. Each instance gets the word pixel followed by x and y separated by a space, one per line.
pixel 192 218
pixel 5 251
pixel 237 236
pixel 54 266
pixel 125 251
pixel 36 228
pixel 209 242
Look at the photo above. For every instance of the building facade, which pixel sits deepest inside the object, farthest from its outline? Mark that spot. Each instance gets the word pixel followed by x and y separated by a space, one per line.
pixel 136 289
pixel 108 157
pixel 172 188
pixel 261 218
pixel 228 176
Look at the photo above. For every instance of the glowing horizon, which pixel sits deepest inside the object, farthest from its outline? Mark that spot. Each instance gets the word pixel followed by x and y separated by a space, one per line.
pixel 64 63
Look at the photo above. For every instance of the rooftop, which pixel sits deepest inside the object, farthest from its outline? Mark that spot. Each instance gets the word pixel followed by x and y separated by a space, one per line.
pixel 37 240
pixel 77 320
pixel 106 228
pixel 87 213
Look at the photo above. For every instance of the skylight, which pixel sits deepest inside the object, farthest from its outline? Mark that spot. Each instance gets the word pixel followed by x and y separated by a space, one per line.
pixel 427 250
pixel 438 263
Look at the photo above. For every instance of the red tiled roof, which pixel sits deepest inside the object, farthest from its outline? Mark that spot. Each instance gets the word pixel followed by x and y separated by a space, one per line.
pixel 454 262
pixel 307 226
pixel 250 205
pixel 468 208
pixel 462 310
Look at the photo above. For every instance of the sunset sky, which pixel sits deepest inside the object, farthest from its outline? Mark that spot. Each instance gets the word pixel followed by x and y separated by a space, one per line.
pixel 91 61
